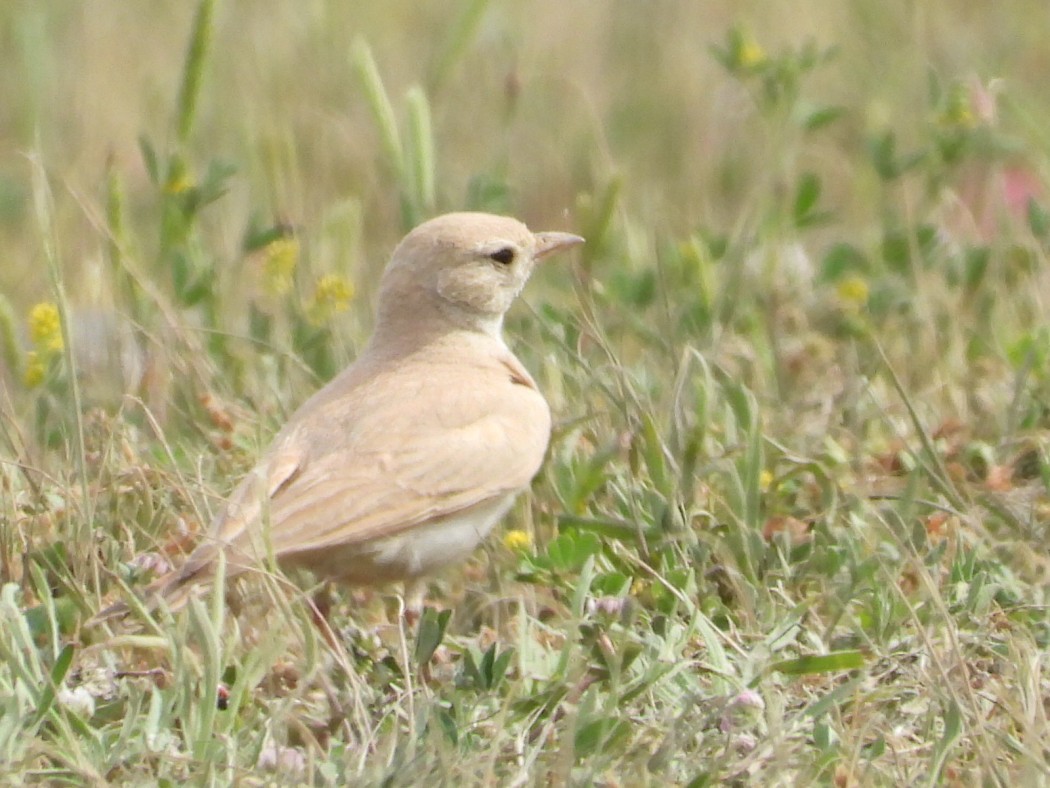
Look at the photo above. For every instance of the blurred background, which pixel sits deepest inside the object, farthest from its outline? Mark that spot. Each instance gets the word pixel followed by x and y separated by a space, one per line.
pixel 210 182
pixel 533 107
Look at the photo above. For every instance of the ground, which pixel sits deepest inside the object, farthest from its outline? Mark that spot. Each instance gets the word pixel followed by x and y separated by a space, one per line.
pixel 792 524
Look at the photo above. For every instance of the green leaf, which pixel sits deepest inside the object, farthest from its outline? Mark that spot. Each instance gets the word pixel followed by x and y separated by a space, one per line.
pixel 364 65
pixel 882 150
pixel 633 289
pixel 896 251
pixel 471 670
pixel 257 237
pixel 313 345
pixel 58 675
pixel 488 192
pixel 653 451
pixel 602 734
pixel 820 663
pixel 66 615
pixel 837 696
pixel 1038 219
pixel 614 529
pixel 598 220
pixel 260 324
pixel 212 187
pixel 611 584
pixel 587 476
pixel 499 667
pixel 952 732
pixel 432 627
pixel 975 265
pixel 841 259
pixel 900 248
pixel 821 116
pixel 192 282
pixel 197 291
pixel 448 725
pixel 459 35
pixel 806 195
pixel 493 667
pixel 193 68
pixel 149 158
pixel 567 552
pixel 419 153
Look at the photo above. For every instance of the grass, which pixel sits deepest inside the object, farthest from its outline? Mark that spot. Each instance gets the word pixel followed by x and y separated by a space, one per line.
pixel 792 525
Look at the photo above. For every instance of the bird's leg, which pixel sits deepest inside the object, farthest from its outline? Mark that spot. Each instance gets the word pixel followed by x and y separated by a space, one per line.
pixel 322 601
pixel 320 604
pixel 415 590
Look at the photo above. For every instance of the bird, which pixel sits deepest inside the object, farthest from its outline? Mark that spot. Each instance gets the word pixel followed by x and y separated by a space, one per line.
pixel 405 461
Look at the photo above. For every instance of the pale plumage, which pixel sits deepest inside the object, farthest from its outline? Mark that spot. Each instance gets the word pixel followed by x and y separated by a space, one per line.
pixel 406 460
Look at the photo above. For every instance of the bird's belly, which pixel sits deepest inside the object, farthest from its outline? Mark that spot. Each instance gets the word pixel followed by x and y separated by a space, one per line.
pixel 417 551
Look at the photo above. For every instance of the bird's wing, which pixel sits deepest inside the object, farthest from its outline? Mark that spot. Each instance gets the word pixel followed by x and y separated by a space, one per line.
pixel 246 506
pixel 391 465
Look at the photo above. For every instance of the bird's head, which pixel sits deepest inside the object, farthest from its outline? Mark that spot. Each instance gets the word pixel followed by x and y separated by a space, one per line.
pixel 471 266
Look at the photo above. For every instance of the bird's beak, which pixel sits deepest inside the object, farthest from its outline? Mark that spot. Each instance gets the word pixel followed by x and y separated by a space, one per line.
pixel 549 243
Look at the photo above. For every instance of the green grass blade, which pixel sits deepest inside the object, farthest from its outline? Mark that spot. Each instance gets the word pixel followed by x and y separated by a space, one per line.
pixel 58 675
pixel 421 152
pixel 193 70
pixel 820 663
pixel 367 71
pixel 461 32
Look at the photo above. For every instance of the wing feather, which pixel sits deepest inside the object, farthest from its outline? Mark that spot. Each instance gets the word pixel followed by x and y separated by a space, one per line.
pixel 377 465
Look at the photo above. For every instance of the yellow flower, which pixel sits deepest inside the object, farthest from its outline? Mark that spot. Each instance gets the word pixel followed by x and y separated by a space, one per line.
pixel 853 291
pixel 958 111
pixel 765 480
pixel 45 327
pixel 332 294
pixel 750 54
pixel 34 371
pixel 178 179
pixel 519 541
pixel 282 256
pixel 639 587
pixel 1042 510
pixel 178 183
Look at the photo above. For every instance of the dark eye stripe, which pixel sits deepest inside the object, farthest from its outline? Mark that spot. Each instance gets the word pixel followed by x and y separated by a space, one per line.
pixel 503 256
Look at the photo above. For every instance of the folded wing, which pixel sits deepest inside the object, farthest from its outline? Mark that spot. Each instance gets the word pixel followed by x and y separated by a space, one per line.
pixel 345 479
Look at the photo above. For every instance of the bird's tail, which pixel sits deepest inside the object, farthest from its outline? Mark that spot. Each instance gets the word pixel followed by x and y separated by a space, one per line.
pixel 172 589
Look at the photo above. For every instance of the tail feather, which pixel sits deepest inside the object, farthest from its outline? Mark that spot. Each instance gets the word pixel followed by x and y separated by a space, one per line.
pixel 173 589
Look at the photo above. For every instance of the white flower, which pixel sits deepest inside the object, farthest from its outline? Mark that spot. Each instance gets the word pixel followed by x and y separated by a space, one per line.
pixel 77 700
pixel 274 758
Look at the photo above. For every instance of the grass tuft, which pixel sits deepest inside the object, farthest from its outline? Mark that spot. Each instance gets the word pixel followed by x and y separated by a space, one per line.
pixel 792 524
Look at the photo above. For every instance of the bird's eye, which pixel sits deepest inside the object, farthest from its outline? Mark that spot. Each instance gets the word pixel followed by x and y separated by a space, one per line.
pixel 504 256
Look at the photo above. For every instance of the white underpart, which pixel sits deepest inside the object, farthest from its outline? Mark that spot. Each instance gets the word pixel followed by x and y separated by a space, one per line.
pixel 427 548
